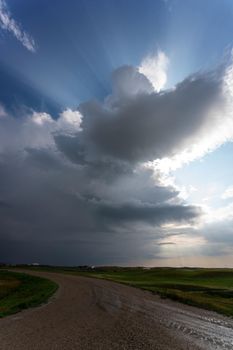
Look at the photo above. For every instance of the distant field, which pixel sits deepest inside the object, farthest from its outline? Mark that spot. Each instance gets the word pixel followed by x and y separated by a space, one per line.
pixel 19 291
pixel 206 288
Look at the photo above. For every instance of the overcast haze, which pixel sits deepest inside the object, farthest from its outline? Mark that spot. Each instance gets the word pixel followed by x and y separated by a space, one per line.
pixel 116 130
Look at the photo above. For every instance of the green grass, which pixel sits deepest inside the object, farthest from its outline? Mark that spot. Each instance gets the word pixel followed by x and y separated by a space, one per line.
pixel 20 291
pixel 210 289
pixel 206 288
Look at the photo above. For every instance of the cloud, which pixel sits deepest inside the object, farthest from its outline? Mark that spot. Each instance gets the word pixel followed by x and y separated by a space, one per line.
pixel 76 217
pixel 41 118
pixel 56 191
pixel 228 193
pixel 153 214
pixel 216 128
pixel 220 214
pixel 69 121
pixel 127 82
pixel 154 67
pixel 2 112
pixel 9 24
pixel 169 128
pixel 81 182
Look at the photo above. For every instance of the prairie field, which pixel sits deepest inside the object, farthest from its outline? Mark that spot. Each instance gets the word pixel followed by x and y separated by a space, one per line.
pixel 20 291
pixel 211 289
pixel 206 288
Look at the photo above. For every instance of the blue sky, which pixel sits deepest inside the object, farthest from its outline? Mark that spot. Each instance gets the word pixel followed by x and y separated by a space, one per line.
pixel 80 44
pixel 76 79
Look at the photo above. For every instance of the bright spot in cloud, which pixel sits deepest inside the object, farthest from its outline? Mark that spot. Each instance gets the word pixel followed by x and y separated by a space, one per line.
pixel 184 239
pixel 69 122
pixel 186 191
pixel 181 244
pixel 176 226
pixel 154 67
pixel 41 118
pixel 69 119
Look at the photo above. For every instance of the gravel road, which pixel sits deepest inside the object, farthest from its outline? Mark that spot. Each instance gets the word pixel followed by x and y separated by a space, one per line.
pixel 94 314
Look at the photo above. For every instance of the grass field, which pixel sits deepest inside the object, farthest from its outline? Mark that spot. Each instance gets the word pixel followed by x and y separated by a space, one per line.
pixel 19 291
pixel 210 289
pixel 206 288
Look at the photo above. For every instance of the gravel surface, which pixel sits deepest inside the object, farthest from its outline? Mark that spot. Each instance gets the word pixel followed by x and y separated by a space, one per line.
pixel 94 314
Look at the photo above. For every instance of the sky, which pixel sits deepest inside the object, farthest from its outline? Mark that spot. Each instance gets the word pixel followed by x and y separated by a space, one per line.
pixel 116 132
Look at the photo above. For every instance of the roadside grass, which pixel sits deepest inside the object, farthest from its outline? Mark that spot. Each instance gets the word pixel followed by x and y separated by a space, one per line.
pixel 20 291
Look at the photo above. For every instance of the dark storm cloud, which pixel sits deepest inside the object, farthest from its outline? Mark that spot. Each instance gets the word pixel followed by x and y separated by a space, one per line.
pixel 127 82
pixel 139 125
pixel 71 147
pixel 3 204
pixel 150 214
pixel 67 209
pixel 43 159
pixel 62 199
pixel 85 189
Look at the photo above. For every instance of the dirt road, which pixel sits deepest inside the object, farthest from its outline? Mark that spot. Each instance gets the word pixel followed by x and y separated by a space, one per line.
pixel 95 314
